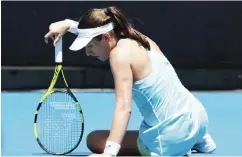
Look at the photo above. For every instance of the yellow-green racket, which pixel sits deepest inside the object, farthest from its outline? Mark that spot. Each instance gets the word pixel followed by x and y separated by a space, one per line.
pixel 58 121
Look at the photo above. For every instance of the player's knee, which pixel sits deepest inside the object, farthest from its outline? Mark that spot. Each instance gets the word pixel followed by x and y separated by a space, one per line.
pixel 92 142
pixel 96 142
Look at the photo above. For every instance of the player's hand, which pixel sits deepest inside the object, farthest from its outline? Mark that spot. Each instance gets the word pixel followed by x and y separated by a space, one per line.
pixel 100 155
pixel 56 31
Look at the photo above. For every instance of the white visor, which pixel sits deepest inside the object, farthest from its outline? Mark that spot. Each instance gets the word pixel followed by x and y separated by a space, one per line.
pixel 86 35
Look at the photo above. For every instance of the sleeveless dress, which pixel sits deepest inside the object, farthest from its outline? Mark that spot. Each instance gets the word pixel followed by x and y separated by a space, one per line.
pixel 173 119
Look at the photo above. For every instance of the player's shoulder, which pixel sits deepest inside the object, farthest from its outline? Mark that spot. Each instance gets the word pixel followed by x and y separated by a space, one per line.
pixel 124 41
pixel 122 49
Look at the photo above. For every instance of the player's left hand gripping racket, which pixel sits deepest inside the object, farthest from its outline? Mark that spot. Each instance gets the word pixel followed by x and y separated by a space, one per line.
pixel 59 121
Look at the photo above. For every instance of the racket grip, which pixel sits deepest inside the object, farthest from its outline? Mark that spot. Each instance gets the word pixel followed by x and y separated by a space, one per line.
pixel 58 51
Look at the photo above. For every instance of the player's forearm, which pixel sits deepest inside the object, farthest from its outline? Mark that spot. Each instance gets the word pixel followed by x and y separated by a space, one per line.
pixel 119 124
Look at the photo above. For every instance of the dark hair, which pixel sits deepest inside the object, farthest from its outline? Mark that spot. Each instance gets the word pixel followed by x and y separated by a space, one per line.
pixel 123 29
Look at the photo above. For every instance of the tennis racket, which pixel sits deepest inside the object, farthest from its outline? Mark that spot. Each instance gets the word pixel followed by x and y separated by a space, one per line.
pixel 58 121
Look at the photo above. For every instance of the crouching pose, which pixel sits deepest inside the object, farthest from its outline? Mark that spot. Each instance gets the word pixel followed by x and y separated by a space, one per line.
pixel 174 121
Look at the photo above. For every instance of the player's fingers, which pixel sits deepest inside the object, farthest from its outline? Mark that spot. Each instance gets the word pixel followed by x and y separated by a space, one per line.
pixel 52 37
pixel 48 35
pixel 57 38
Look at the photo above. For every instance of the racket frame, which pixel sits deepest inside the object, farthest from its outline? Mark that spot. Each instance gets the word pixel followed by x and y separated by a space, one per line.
pixel 58 69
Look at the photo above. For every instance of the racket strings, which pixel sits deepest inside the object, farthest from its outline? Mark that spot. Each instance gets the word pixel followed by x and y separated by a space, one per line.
pixel 59 123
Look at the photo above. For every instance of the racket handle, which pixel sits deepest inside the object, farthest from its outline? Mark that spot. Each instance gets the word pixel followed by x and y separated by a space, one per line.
pixel 58 51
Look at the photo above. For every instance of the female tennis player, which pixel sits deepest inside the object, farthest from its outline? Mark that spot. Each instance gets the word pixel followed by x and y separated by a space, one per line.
pixel 174 121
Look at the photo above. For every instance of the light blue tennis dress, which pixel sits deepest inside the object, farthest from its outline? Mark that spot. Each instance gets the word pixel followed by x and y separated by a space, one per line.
pixel 174 120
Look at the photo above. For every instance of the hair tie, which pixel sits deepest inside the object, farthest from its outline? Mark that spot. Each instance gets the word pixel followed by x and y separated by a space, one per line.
pixel 106 11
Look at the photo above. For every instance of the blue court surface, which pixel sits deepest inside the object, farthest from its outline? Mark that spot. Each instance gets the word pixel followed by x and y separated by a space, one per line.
pixel 224 110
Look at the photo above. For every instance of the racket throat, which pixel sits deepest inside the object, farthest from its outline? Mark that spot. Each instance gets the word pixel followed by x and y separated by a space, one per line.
pixel 64 79
pixel 58 68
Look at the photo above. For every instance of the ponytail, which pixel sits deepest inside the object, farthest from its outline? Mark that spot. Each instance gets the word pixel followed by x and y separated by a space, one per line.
pixel 124 28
